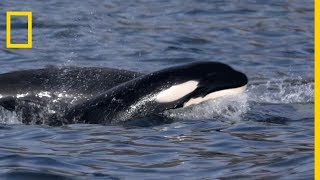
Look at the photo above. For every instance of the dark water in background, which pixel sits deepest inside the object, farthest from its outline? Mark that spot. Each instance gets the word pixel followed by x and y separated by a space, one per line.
pixel 266 133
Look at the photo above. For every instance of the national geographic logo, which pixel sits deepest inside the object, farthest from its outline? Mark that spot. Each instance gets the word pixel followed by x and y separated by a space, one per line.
pixel 28 15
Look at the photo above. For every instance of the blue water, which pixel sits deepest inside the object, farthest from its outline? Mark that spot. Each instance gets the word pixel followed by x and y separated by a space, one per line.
pixel 265 133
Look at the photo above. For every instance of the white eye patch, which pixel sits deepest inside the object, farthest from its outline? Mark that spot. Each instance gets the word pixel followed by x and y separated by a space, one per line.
pixel 176 92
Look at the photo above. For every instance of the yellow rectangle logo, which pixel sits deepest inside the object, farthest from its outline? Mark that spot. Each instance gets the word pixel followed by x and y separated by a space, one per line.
pixel 28 14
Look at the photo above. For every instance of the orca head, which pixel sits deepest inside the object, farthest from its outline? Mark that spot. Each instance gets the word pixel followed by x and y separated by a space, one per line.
pixel 198 82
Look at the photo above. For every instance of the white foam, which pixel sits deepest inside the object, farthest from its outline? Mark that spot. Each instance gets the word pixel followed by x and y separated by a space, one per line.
pixel 229 107
pixel 44 94
pixel 22 95
pixel 8 117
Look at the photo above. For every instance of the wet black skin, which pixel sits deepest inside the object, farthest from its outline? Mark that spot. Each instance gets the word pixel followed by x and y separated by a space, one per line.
pixel 73 80
pixel 114 105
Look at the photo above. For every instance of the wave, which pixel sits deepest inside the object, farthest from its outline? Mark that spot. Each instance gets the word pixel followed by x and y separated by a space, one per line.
pixel 232 108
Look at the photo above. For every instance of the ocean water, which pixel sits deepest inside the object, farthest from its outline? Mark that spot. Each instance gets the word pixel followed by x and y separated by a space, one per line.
pixel 266 133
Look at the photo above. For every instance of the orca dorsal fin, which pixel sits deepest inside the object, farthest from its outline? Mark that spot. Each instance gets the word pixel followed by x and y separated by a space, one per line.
pixel 8 103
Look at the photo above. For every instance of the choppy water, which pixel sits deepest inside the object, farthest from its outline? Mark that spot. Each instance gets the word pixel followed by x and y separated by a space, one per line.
pixel 266 133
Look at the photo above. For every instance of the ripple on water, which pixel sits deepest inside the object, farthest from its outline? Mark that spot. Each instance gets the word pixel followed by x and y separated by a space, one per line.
pixel 265 134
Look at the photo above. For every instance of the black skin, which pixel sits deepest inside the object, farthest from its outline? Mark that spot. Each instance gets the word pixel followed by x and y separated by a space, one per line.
pixel 114 106
pixel 73 80
pixel 86 81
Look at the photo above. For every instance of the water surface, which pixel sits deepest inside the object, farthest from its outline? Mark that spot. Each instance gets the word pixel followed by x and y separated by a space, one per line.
pixel 265 133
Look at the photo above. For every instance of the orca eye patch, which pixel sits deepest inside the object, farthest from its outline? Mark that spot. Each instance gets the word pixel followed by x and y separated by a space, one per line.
pixel 176 92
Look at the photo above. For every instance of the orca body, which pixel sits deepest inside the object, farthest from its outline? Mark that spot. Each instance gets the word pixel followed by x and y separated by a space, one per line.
pixel 72 80
pixel 112 96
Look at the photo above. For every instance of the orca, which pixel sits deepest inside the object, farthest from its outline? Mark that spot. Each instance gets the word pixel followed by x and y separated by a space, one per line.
pixel 110 96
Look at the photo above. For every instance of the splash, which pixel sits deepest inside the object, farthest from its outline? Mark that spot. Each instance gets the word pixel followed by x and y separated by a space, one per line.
pixel 236 108
pixel 8 117
pixel 283 91
pixel 230 108
pixel 37 108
